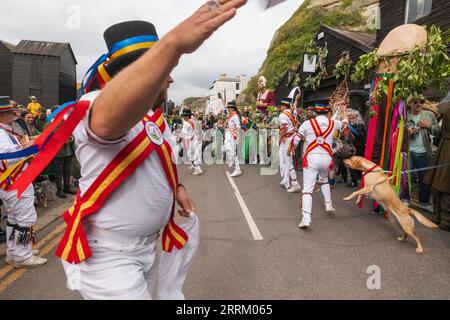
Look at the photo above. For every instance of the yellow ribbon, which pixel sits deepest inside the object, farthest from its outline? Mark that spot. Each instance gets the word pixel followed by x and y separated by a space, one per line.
pixel 134 47
pixel 5 175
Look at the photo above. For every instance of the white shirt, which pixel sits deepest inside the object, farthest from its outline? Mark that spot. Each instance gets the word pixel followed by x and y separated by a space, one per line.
pixel 187 132
pixel 307 132
pixel 285 121
pixel 9 143
pixel 233 124
pixel 142 204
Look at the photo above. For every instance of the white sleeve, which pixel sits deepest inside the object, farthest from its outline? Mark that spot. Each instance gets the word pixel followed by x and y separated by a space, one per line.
pixel 7 146
pixel 84 133
pixel 283 120
pixel 337 125
pixel 302 129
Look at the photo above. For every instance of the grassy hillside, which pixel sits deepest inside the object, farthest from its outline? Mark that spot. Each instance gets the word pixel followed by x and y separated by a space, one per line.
pixel 295 35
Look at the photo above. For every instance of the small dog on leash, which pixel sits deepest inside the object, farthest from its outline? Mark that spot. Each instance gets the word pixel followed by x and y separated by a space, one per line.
pixel 45 191
pixel 377 186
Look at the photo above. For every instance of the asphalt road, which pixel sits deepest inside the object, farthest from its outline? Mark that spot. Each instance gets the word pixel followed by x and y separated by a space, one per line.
pixel 328 261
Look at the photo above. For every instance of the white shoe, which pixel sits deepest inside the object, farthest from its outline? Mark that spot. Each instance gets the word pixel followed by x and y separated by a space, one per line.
pixel 32 262
pixel 294 188
pixel 329 207
pixel 304 224
pixel 236 173
pixel 10 259
pixel 197 172
pixel 191 167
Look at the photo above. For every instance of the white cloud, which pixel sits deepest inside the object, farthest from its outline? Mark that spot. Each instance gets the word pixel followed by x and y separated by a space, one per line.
pixel 238 47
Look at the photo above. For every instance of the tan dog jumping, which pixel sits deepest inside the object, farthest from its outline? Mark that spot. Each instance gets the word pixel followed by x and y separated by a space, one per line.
pixel 377 186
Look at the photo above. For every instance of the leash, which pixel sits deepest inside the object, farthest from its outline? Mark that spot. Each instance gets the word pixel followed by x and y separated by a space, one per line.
pixel 414 170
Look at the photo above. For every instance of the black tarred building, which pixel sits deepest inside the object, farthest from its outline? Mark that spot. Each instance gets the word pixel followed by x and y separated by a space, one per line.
pixel 6 66
pixel 46 70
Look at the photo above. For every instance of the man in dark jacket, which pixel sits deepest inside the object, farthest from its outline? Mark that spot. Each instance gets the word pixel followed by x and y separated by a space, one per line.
pixel 439 178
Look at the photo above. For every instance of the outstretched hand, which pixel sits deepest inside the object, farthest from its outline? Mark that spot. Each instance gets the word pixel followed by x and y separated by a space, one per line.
pixel 193 31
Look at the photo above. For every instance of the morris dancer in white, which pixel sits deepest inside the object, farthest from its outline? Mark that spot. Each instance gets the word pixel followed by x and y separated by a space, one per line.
pixel 21 212
pixel 288 128
pixel 191 141
pixel 317 159
pixel 233 126
pixel 112 248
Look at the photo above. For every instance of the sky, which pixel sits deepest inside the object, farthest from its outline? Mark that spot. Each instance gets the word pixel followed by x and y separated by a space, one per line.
pixel 238 47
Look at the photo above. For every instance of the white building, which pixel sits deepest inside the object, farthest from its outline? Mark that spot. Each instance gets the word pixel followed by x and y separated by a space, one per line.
pixel 225 90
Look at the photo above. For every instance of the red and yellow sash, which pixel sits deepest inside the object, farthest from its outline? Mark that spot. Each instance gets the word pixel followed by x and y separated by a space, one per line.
pixel 191 123
pixel 6 184
pixel 74 246
pixel 294 124
pixel 232 130
pixel 291 117
pixel 320 140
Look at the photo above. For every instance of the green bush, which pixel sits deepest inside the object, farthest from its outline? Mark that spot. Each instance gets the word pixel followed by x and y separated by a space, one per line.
pixel 294 37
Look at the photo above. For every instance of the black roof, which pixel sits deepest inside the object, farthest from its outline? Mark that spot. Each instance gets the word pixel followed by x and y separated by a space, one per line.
pixel 8 45
pixel 43 48
pixel 358 39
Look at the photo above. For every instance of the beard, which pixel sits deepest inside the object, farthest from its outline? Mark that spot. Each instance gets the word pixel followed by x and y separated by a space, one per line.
pixel 162 97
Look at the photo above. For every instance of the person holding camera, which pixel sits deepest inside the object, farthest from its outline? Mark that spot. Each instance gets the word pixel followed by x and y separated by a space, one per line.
pixel 420 124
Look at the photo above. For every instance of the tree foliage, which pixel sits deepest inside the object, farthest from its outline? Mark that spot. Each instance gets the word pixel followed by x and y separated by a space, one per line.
pixel 294 37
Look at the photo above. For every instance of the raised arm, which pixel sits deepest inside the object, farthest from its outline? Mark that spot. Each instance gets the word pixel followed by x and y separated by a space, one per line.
pixel 128 97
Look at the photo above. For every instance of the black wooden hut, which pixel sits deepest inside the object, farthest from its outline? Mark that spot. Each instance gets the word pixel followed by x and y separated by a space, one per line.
pixel 6 65
pixel 338 41
pixel 421 12
pixel 284 87
pixel 46 70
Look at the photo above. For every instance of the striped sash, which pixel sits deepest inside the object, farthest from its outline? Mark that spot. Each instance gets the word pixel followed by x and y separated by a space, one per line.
pixel 74 247
pixel 320 140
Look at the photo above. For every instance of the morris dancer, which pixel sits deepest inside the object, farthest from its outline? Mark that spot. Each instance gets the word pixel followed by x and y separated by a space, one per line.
pixel 21 212
pixel 129 182
pixel 317 159
pixel 232 138
pixel 192 143
pixel 288 128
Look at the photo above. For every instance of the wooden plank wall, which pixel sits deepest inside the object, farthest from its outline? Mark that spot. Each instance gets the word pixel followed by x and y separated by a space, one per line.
pixel 6 62
pixel 67 78
pixel 393 15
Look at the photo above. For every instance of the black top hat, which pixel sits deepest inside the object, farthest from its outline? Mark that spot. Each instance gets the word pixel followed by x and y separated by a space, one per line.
pixel 121 40
pixel 186 113
pixel 232 104
pixel 124 31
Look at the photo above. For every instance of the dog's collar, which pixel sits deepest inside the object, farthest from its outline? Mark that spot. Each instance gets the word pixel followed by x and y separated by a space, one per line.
pixel 371 169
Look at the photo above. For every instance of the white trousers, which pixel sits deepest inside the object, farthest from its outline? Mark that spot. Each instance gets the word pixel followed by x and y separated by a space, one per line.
pixel 287 170
pixel 317 171
pixel 22 213
pixel 115 271
pixel 231 151
pixel 194 151
pixel 125 268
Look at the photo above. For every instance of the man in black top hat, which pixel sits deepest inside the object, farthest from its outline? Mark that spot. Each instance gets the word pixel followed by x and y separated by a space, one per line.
pixel 133 83
pixel 192 144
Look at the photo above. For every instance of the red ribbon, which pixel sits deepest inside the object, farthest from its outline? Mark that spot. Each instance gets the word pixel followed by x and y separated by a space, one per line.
pixel 50 142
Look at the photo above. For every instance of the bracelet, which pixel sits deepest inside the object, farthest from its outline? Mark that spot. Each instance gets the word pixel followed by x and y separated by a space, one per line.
pixel 181 186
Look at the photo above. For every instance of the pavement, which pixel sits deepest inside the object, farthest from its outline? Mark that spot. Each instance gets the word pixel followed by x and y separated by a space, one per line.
pixel 337 258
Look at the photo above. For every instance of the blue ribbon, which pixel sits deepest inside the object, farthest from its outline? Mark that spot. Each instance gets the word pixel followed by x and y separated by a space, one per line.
pixel 131 41
pixel 55 112
pixel 353 129
pixel 92 71
pixel 20 154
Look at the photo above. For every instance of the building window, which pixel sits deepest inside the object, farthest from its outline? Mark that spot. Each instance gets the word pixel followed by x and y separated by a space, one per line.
pixel 416 9
pixel 238 86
